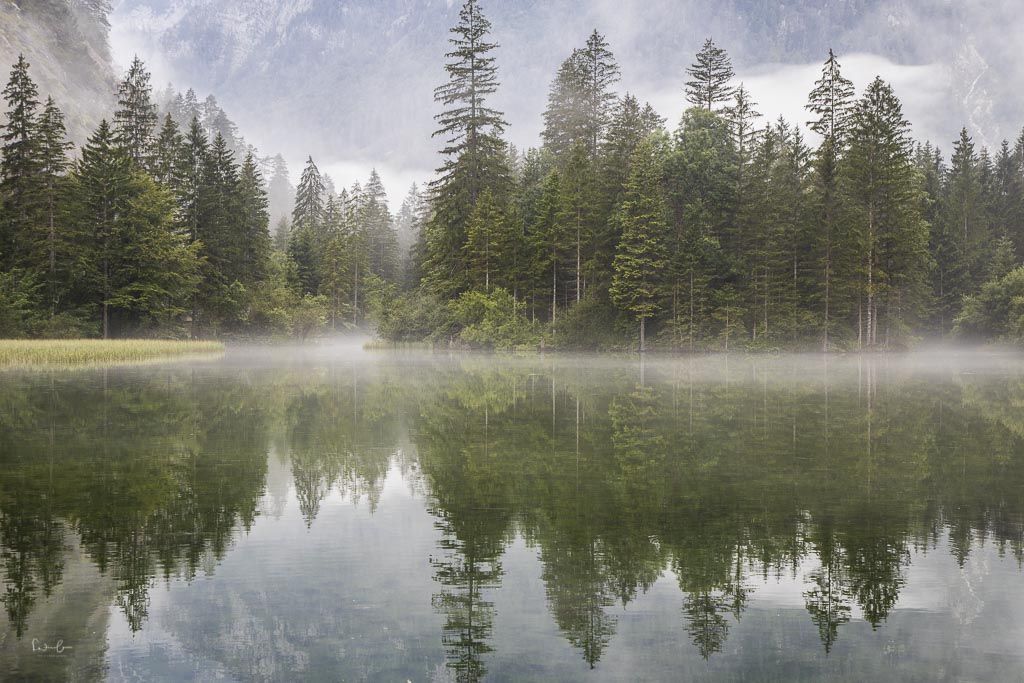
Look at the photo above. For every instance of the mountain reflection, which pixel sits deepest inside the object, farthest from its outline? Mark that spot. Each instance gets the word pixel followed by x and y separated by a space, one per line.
pixel 715 476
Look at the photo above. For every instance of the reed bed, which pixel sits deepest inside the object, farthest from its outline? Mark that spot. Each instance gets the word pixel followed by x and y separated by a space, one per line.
pixel 78 352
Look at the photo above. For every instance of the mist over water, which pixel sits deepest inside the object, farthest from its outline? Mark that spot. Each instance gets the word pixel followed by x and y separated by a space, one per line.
pixel 327 512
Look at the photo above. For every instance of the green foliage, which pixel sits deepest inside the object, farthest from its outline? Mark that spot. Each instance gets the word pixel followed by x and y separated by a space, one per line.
pixel 996 312
pixel 493 321
pixel 413 316
pixel 19 305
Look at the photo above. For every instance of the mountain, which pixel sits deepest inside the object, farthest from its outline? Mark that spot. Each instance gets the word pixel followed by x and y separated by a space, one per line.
pixel 66 44
pixel 353 79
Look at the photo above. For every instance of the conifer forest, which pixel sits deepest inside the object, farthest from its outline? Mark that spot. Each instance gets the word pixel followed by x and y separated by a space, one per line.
pixel 715 229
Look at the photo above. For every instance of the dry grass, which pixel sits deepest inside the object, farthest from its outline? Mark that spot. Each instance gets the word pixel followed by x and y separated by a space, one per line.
pixel 77 352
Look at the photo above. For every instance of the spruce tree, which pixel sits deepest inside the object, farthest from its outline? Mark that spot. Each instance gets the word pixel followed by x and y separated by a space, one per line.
pixel 831 102
pixel 136 117
pixel 964 210
pixel 638 285
pixel 710 76
pixel 379 229
pixel 475 154
pixel 488 244
pixel 167 153
pixel 134 267
pixel 548 237
pixel 882 190
pixel 307 220
pixel 254 218
pixel 20 164
pixel 54 147
pixel 581 99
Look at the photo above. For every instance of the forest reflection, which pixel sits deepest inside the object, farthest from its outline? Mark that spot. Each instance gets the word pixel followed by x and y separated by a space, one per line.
pixel 713 472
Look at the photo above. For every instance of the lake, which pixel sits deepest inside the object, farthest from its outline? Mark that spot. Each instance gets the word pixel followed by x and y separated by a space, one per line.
pixel 326 513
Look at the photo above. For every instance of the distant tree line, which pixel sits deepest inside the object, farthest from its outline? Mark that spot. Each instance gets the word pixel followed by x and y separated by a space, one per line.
pixel 727 232
pixel 160 226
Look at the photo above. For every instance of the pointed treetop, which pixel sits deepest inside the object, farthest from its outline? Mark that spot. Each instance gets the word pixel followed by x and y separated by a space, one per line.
pixel 710 76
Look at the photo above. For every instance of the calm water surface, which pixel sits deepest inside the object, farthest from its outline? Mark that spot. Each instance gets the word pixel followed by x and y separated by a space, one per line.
pixel 332 514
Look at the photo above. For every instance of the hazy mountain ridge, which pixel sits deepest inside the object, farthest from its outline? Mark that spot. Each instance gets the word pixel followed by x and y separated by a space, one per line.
pixel 365 71
pixel 66 43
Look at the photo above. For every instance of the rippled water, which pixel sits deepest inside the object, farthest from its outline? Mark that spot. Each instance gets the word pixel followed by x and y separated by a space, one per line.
pixel 332 514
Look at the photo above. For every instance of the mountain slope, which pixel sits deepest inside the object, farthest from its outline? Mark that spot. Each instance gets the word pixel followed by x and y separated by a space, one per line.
pixel 66 43
pixel 354 79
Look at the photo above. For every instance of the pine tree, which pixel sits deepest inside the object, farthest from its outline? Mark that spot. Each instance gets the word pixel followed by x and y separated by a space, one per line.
pixel 133 264
pixel 167 153
pixel 577 209
pixel 191 165
pixel 379 228
pixel 701 184
pixel 882 189
pixel 20 164
pixel 54 147
pixel 475 154
pixel 831 101
pixel 548 236
pixel 710 75
pixel 307 221
pixel 964 210
pixel 254 218
pixel 630 124
pixel 641 257
pixel 581 99
pixel 136 117
pixel 488 244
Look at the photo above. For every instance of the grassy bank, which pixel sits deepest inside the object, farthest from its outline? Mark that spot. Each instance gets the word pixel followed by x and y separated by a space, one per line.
pixel 72 352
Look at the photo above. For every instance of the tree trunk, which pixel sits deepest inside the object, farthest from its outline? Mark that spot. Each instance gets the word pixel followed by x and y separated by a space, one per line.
pixel 643 340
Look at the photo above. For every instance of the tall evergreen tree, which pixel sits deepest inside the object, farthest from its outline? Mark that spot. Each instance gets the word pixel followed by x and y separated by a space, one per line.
pixel 134 266
pixel 581 99
pixel 831 103
pixel 710 77
pixel 488 247
pixel 882 189
pixel 54 147
pixel 20 163
pixel 307 221
pixel 640 260
pixel 254 218
pixel 136 117
pixel 474 151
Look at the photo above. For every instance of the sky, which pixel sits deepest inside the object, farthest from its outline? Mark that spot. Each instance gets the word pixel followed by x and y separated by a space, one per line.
pixel 350 81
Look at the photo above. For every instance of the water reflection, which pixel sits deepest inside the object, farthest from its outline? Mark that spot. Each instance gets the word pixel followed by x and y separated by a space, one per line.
pixel 721 476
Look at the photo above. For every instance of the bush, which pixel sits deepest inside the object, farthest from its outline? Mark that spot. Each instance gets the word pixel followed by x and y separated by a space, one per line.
pixel 493 321
pixel 411 317
pixel 996 312
pixel 589 326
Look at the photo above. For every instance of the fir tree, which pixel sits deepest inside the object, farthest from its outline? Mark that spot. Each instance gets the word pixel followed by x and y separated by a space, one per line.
pixel 20 163
pixel 307 221
pixel 882 189
pixel 167 153
pixel 255 221
pixel 54 147
pixel 710 75
pixel 831 102
pixel 581 99
pixel 136 117
pixel 640 259
pixel 488 244
pixel 474 152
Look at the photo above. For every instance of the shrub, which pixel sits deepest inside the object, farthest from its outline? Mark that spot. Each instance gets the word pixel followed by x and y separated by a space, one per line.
pixel 493 320
pixel 996 312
